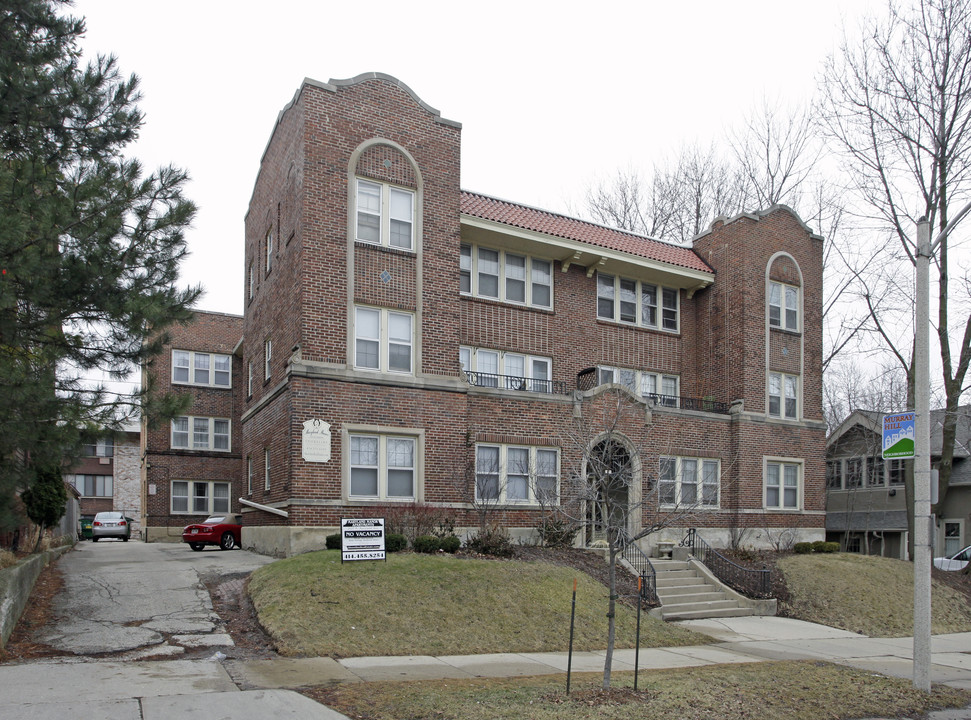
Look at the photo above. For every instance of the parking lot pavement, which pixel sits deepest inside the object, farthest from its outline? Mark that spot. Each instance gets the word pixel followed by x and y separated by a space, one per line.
pixel 136 596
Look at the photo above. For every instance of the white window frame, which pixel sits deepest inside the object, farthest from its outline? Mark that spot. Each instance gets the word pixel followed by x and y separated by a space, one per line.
pixel 875 470
pixel 388 214
pixel 957 541
pixel 784 309
pixel 268 239
pixel 249 379
pixel 249 474
pixel 469 360
pixel 641 382
pixel 782 487
pixel 191 432
pixel 384 439
pixel 267 359
pixel 266 469
pixel 699 467
pixel 629 304
pixel 191 496
pixel 536 277
pixel 252 280
pixel 502 473
pixel 834 472
pixel 782 397
pixel 196 362
pixel 382 339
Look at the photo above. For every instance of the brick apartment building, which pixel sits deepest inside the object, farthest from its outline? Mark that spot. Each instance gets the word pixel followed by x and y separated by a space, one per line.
pixel 107 476
pixel 401 336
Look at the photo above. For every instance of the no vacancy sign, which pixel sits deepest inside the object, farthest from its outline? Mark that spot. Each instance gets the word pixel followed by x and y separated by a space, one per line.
pixel 362 539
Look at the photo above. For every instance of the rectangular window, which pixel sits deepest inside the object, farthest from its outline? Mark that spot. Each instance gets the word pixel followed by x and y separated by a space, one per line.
pixel 101 448
pixel 783 396
pixel 382 467
pixel 251 283
pixel 660 389
pixel 266 469
pixel 834 474
pixel 267 358
pixel 505 276
pixel 783 306
pixel 385 215
pixel 92 485
pixel 516 474
pixel 206 433
pixel 249 379
pixel 249 475
pixel 875 472
pixel 197 497
pixel 636 303
pixel 689 482
pixel 518 371
pixel 383 340
pixel 896 474
pixel 782 483
pixel 269 250
pixel 854 473
pixel 200 368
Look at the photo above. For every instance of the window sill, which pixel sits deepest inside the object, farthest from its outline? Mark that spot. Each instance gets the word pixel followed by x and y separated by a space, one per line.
pixel 406 252
pixel 505 303
pixel 633 326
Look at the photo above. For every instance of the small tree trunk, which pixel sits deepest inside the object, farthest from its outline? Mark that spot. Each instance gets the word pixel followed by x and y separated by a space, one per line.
pixel 611 613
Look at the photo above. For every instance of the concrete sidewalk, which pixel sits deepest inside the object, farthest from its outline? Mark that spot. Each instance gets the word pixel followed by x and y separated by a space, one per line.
pixel 258 689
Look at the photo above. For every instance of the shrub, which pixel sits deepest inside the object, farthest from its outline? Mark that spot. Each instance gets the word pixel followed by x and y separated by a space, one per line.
pixel 557 533
pixel 450 544
pixel 802 548
pixel 395 542
pixel 826 547
pixel 334 541
pixel 494 541
pixel 427 544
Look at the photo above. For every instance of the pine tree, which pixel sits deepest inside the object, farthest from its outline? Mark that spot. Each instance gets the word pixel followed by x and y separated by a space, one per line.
pixel 89 247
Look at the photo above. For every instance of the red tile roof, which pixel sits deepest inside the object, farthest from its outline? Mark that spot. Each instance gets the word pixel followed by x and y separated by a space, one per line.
pixel 548 223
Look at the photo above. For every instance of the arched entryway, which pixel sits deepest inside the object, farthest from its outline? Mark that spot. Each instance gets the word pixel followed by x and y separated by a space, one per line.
pixel 613 477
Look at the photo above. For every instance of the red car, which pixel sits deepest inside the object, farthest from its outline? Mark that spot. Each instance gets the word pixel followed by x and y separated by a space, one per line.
pixel 221 530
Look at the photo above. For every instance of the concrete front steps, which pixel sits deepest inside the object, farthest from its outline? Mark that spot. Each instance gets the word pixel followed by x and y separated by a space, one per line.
pixel 688 591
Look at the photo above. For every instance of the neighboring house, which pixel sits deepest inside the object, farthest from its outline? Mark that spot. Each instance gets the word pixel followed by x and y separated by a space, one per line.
pixel 404 341
pixel 866 505
pixel 107 476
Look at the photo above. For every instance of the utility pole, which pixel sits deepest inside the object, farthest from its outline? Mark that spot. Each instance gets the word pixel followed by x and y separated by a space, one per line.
pixel 922 465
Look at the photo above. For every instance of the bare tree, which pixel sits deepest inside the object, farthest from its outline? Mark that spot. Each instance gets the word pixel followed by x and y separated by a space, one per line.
pixel 616 495
pixel 897 106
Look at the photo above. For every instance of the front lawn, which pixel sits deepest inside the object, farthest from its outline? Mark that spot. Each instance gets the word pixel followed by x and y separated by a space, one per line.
pixel 413 604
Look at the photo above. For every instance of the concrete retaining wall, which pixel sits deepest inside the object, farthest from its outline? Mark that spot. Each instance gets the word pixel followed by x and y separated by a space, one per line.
pixel 16 584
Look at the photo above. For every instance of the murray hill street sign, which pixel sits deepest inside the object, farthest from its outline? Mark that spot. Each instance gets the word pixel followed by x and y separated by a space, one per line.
pixel 899 431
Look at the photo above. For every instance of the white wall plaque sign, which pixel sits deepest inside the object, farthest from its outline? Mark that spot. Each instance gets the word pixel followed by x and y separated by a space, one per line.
pixel 316 441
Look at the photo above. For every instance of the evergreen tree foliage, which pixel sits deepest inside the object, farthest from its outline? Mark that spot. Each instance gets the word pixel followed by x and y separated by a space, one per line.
pixel 90 246
pixel 45 499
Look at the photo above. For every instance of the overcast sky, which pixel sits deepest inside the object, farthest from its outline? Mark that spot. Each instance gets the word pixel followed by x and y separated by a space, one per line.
pixel 551 95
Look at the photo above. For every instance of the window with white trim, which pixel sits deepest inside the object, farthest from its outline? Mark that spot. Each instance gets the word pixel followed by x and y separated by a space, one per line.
pixel 896 472
pixel 191 432
pixel 101 448
pixel 92 485
pixel 199 497
pixel 636 303
pixel 875 472
pixel 249 379
pixel 783 482
pixel 513 371
pixel 505 276
pixel 854 473
pixel 385 215
pixel 834 474
pixel 267 358
pixel 383 340
pixel 516 474
pixel 266 469
pixel 249 474
pixel 202 368
pixel 688 481
pixel 382 467
pixel 783 306
pixel 661 388
pixel 783 395
pixel 252 281
pixel 269 249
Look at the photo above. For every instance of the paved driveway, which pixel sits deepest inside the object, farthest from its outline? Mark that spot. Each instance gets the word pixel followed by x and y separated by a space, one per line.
pixel 147 599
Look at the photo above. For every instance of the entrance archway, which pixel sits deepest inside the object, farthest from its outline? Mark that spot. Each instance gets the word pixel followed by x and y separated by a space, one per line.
pixel 612 476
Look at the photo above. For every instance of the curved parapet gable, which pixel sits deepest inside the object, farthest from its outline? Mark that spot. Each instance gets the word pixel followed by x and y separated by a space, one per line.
pixel 334 85
pixel 758 215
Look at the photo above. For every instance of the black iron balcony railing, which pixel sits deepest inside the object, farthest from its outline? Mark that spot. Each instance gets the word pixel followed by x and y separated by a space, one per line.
pixel 587 380
pixel 512 382
pixel 748 581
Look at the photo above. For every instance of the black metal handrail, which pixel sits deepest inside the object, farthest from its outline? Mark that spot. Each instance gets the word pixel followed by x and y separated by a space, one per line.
pixel 748 581
pixel 513 382
pixel 587 380
pixel 645 570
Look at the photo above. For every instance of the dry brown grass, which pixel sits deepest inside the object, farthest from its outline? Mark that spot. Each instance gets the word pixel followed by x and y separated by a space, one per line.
pixel 769 691
pixel 869 595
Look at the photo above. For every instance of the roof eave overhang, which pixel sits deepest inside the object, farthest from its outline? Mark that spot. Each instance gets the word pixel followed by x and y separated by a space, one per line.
pixel 568 253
